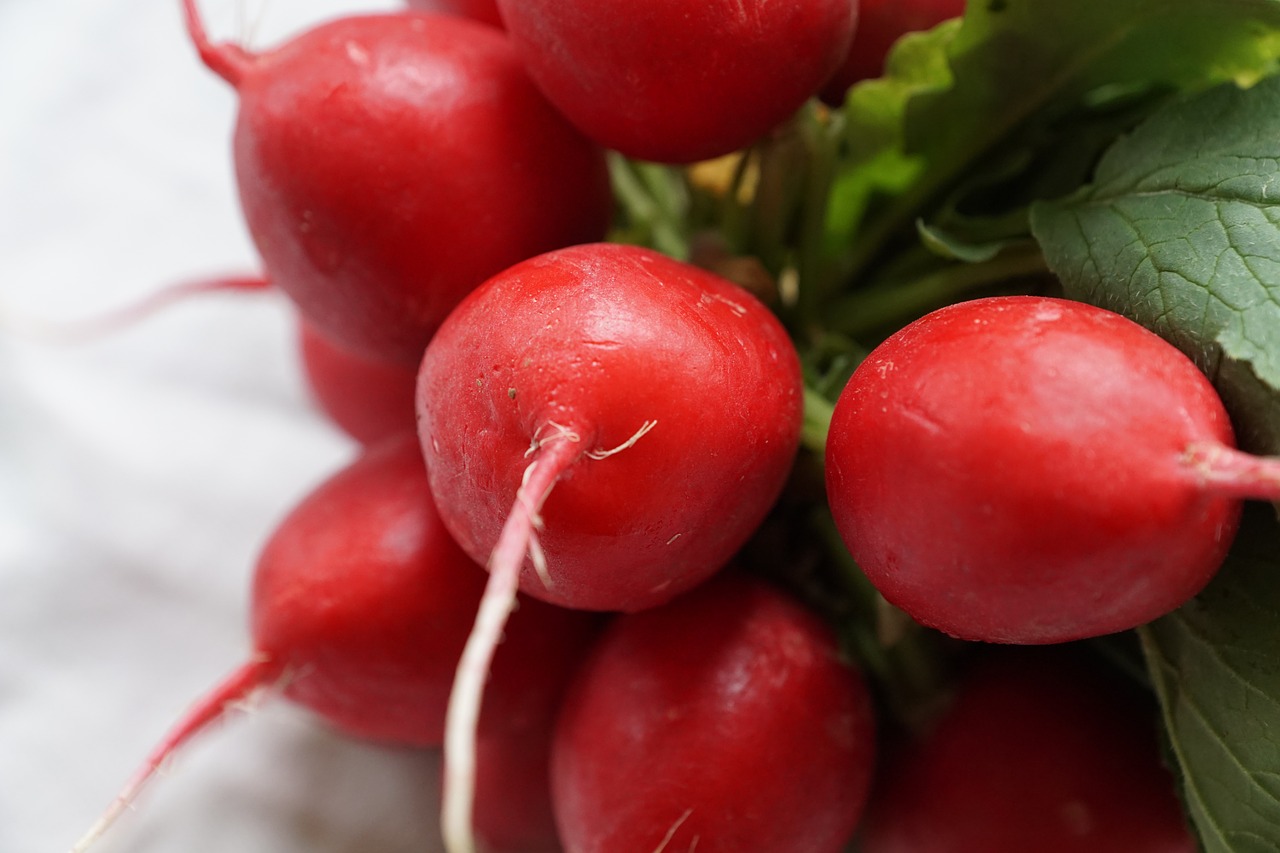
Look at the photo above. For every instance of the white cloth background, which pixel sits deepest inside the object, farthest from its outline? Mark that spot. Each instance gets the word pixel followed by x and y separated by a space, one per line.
pixel 141 473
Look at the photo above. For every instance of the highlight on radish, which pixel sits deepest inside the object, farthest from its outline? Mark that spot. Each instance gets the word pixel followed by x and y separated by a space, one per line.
pixel 1035 470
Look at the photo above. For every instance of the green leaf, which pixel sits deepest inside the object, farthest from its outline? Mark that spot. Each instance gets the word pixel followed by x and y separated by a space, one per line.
pixel 954 247
pixel 1181 232
pixel 875 161
pixel 1001 85
pixel 1216 669
pixel 1015 59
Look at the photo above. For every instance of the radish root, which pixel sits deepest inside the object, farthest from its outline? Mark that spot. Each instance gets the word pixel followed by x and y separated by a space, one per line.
pixel 671 832
pixel 80 331
pixel 229 61
pixel 605 454
pixel 552 457
pixel 233 692
pixel 1227 472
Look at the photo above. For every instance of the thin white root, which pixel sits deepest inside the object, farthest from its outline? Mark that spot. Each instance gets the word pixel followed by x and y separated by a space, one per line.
pixel 605 454
pixel 539 558
pixel 463 716
pixel 559 432
pixel 671 833
pixel 553 454
pixel 536 554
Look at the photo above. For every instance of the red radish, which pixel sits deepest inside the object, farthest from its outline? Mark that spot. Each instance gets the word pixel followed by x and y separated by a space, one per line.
pixel 388 164
pixel 367 399
pixel 361 606
pixel 1035 470
pixel 661 403
pixel 880 24
pixel 722 721
pixel 513 792
pixel 1037 752
pixel 477 10
pixel 674 81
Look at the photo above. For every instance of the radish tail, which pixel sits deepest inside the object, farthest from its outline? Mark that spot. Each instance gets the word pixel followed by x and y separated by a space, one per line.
pixel 229 61
pixel 79 331
pixel 236 688
pixel 1226 472
pixel 518 538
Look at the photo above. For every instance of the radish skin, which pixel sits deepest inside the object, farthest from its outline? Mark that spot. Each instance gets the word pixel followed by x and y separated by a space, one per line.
pixel 478 10
pixel 369 400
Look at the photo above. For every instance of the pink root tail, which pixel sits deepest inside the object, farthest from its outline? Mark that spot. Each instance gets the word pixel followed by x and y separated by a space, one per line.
pixel 1231 473
pixel 80 331
pixel 233 690
pixel 229 61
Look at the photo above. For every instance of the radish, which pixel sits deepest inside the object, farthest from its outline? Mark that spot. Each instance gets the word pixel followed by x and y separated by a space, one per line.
pixel 1035 470
pixel 477 10
pixel 513 811
pixel 388 164
pixel 674 81
pixel 880 24
pixel 660 402
pixel 369 400
pixel 361 608
pixel 722 721
pixel 1038 751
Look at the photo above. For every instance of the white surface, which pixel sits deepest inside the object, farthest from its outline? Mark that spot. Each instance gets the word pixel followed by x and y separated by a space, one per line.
pixel 140 474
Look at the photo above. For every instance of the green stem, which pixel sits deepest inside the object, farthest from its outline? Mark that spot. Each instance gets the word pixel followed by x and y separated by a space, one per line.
pixel 646 211
pixel 817 421
pixel 869 310
pixel 822 140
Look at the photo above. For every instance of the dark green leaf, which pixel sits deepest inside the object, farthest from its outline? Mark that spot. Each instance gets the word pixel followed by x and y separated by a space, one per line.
pixel 1181 231
pixel 1216 667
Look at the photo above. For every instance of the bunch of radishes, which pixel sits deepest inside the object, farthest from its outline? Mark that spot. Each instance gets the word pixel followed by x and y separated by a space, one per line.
pixel 625 441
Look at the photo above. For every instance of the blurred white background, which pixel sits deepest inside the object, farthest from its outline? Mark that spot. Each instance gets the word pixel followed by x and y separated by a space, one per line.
pixel 140 473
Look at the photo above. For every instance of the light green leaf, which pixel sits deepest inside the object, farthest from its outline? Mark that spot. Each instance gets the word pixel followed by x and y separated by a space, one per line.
pixel 1018 59
pixel 874 113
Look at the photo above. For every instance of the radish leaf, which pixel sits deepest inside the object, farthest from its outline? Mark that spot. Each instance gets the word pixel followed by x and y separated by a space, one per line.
pixel 1214 667
pixel 1181 232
